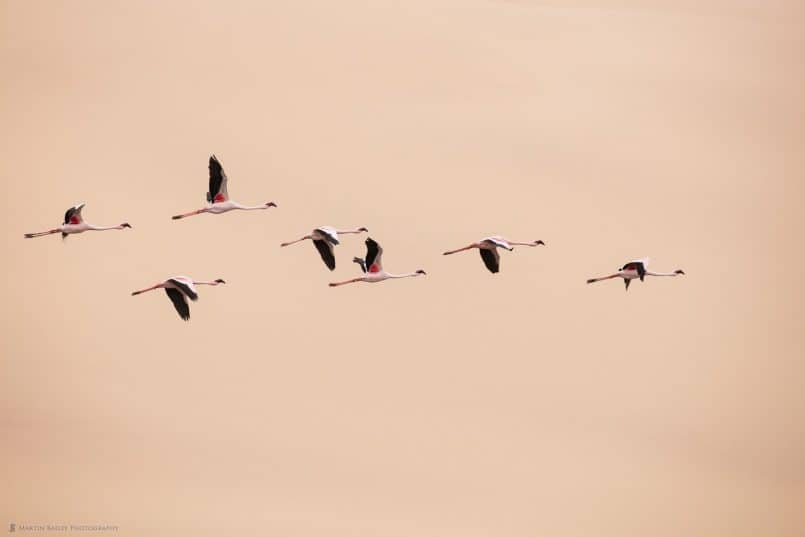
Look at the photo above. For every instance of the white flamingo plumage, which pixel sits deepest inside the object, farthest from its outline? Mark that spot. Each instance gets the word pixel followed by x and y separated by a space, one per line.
pixel 373 267
pixel 488 248
pixel 635 269
pixel 325 238
pixel 218 196
pixel 74 223
pixel 179 289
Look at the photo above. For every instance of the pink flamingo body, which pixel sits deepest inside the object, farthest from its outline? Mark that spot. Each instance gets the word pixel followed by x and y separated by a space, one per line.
pixel 179 289
pixel 74 223
pixel 373 267
pixel 488 248
pixel 218 196
pixel 633 270
pixel 324 239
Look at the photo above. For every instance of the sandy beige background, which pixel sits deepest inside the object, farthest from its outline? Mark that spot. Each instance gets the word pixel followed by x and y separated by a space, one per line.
pixel 461 404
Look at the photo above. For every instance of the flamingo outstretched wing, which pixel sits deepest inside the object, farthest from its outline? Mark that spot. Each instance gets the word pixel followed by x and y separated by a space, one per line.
pixel 179 302
pixel 185 285
pixel 639 265
pixel 73 214
pixel 373 256
pixel 329 234
pixel 491 259
pixel 498 241
pixel 325 249
pixel 217 192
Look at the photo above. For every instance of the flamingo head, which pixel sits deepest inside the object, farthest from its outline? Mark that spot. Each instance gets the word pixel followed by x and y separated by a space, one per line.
pixel 126 225
pixel 679 271
pixel 420 271
pixel 219 280
pixel 363 229
pixel 539 243
pixel 271 204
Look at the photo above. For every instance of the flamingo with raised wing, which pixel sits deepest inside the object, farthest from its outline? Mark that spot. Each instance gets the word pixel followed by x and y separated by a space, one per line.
pixel 218 196
pixel 74 223
pixel 373 268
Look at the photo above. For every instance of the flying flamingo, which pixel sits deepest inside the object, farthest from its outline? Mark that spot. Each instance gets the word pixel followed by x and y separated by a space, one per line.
pixel 373 267
pixel 324 238
pixel 218 197
pixel 488 249
pixel 74 223
pixel 635 269
pixel 179 289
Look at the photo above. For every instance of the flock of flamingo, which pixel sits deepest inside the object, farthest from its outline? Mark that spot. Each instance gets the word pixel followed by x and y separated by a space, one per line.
pixel 325 238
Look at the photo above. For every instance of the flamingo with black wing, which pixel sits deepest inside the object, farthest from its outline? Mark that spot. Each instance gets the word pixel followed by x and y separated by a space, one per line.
pixel 324 239
pixel 179 289
pixel 633 270
pixel 74 223
pixel 218 196
pixel 373 268
pixel 488 248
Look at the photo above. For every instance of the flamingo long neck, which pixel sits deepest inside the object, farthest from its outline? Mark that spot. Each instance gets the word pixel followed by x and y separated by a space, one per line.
pixel 103 228
pixel 512 243
pixel 406 275
pixel 348 231
pixel 661 273
pixel 249 207
pixel 207 283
